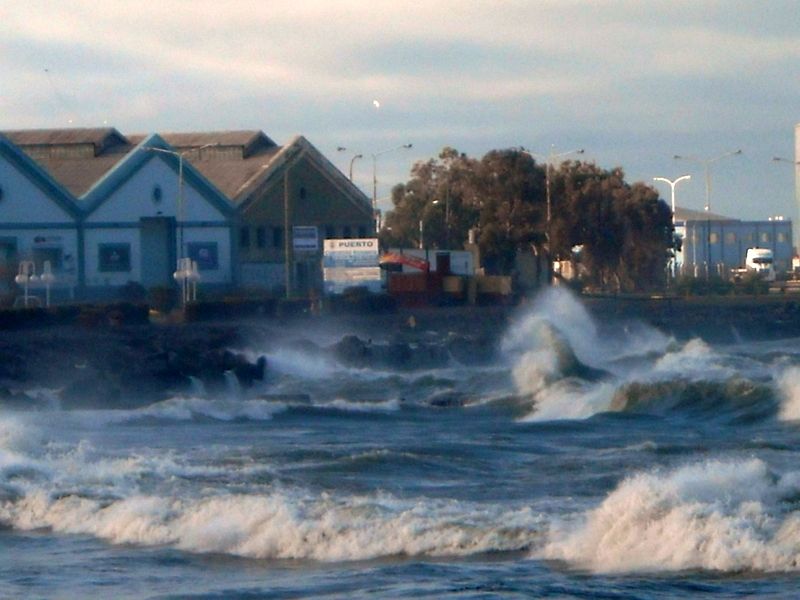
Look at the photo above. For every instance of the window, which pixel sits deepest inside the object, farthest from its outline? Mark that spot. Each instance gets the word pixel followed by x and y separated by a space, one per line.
pixel 730 238
pixel 158 194
pixel 765 237
pixel 362 231
pixel 277 237
pixel 204 254
pixel 244 237
pixel 781 237
pixel 713 237
pixel 261 237
pixel 113 258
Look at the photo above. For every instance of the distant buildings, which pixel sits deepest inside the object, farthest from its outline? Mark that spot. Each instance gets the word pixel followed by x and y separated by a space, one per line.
pixel 720 243
pixel 106 209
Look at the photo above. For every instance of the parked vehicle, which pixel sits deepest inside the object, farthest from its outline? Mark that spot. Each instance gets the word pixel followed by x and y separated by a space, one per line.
pixel 760 261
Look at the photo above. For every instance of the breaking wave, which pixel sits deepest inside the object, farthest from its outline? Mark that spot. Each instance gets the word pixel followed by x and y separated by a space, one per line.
pixel 727 516
pixel 71 490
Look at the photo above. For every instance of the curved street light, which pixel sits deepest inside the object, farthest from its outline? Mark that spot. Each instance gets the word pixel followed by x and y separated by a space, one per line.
pixel 180 203
pixel 375 156
pixel 795 223
pixel 181 273
pixel 707 162
pixel 672 183
pixel 352 160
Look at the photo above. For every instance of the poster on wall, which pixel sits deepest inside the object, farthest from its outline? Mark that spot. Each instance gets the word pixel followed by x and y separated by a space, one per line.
pixel 114 258
pixel 348 263
pixel 204 254
pixel 305 238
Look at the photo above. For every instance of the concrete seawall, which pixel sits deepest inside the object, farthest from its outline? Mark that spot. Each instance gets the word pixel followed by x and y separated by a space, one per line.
pixel 716 319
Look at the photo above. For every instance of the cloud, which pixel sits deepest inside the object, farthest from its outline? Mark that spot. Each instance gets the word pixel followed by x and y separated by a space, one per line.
pixel 476 75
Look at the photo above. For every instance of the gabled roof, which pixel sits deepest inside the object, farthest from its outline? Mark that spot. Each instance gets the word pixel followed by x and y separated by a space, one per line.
pixel 137 158
pixel 76 158
pixel 99 137
pixel 38 176
pixel 249 141
pixel 298 148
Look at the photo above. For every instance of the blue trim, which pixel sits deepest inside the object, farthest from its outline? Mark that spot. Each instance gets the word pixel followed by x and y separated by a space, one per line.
pixel 35 226
pixel 137 224
pixel 39 177
pixel 124 170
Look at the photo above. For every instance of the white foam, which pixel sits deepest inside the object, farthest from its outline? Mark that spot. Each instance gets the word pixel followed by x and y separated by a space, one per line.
pixel 222 409
pixel 391 405
pixel 571 400
pixel 789 390
pixel 715 515
pixel 284 525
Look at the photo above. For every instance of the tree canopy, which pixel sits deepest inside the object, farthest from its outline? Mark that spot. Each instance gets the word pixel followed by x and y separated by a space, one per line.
pixel 620 234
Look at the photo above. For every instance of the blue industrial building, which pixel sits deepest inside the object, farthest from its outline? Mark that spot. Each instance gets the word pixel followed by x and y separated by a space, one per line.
pixel 715 244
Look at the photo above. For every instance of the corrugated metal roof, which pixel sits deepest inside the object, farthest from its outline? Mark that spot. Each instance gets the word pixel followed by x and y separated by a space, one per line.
pixel 687 214
pixel 242 161
pixel 97 136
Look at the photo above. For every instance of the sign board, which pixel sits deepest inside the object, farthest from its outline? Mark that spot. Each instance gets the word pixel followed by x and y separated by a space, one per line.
pixel 351 263
pixel 305 238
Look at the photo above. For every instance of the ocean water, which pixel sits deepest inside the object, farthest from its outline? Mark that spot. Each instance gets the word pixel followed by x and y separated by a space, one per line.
pixel 578 462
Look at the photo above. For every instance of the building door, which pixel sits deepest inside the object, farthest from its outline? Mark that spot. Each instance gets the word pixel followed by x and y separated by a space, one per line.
pixel 8 264
pixel 157 238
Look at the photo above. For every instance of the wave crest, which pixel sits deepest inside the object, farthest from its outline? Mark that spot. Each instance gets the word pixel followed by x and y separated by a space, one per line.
pixel 724 516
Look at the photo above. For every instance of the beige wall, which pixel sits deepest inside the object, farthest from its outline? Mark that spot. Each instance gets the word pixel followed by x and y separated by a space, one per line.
pixel 314 200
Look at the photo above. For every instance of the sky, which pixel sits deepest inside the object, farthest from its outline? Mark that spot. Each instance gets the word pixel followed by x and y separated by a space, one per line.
pixel 632 82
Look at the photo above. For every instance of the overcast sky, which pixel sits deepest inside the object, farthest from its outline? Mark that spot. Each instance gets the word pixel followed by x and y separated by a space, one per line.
pixel 634 82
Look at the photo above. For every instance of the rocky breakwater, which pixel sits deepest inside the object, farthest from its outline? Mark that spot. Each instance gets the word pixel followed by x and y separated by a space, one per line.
pixel 112 367
pixel 118 367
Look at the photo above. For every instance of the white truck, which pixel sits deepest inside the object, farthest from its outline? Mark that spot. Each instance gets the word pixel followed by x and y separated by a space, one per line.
pixel 760 261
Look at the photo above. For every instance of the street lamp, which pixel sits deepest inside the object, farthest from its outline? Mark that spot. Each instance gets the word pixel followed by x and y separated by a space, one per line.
pixel 796 164
pixel 179 156
pixel 181 273
pixel 548 163
pixel 352 160
pixel 375 175
pixel 707 162
pixel 672 183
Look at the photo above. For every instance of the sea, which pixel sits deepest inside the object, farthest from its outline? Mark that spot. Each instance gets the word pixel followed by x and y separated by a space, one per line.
pixel 581 459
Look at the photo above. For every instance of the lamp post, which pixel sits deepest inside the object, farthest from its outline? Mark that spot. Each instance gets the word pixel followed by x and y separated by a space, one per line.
pixel 181 273
pixel 548 163
pixel 352 160
pixel 180 201
pixel 707 162
pixel 672 183
pixel 375 177
pixel 796 223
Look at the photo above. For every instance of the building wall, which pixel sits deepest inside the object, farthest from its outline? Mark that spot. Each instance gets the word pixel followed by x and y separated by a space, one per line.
pixel 116 225
pixel 314 201
pixel 34 227
pixel 727 244
pixel 25 202
pixel 137 198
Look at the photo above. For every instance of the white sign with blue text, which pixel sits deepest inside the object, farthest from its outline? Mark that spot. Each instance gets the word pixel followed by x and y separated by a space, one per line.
pixel 351 263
